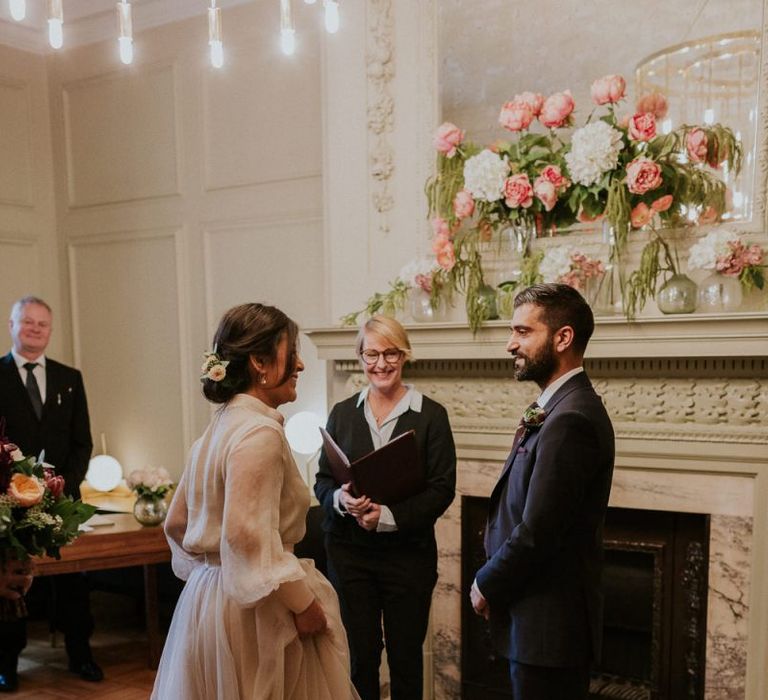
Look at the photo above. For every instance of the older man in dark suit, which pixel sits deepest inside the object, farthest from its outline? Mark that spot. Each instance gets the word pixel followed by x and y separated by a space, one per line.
pixel 540 586
pixel 44 406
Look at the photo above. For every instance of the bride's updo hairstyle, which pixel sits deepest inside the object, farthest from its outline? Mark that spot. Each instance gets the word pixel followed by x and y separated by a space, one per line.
pixel 245 330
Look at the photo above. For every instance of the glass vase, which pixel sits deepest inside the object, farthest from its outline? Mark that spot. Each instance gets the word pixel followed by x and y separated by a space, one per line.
pixel 604 292
pixel 419 306
pixel 150 510
pixel 720 293
pixel 678 295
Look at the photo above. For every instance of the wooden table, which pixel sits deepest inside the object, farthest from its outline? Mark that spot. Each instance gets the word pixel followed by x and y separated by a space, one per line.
pixel 126 543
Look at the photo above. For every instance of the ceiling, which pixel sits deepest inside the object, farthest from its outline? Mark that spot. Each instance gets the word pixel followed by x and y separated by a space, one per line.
pixel 88 21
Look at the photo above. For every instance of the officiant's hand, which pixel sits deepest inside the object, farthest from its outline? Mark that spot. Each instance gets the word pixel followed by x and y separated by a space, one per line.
pixel 311 621
pixel 353 505
pixel 370 519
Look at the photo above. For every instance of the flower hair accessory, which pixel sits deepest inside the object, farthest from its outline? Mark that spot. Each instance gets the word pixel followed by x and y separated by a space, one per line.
pixel 214 368
pixel 534 416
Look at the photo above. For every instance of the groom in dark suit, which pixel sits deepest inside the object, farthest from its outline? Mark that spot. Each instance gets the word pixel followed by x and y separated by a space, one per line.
pixel 540 586
pixel 44 406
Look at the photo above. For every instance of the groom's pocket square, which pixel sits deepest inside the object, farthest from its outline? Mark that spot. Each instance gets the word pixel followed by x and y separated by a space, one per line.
pixel 522 450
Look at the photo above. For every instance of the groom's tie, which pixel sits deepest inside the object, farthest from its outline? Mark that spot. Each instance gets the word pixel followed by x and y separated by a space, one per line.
pixel 33 389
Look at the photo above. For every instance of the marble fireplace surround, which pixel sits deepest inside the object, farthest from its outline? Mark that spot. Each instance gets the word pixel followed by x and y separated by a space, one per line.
pixel 688 397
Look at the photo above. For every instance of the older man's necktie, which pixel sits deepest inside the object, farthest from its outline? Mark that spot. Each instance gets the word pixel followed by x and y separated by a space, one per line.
pixel 33 389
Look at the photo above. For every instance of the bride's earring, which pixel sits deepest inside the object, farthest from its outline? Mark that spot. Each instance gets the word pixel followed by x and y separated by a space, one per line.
pixel 263 379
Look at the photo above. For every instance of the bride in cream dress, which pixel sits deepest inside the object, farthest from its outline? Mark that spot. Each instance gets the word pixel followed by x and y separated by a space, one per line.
pixel 253 621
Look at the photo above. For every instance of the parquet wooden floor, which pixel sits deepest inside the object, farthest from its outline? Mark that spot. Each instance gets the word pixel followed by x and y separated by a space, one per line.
pixel 121 652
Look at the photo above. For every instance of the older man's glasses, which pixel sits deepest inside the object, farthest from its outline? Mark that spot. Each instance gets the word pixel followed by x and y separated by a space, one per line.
pixel 391 356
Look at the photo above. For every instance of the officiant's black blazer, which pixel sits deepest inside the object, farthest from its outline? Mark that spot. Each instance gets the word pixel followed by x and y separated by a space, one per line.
pixel 544 534
pixel 415 516
pixel 63 431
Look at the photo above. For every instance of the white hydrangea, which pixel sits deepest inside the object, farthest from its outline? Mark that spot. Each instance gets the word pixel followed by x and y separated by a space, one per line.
pixel 484 175
pixel 594 150
pixel 704 253
pixel 555 264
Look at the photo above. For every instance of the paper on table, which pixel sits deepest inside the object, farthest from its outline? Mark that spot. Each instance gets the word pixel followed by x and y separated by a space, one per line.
pixel 97 520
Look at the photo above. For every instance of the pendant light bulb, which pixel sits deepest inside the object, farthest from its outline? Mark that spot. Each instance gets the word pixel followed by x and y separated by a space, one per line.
pixel 288 41
pixel 287 29
pixel 126 49
pixel 125 31
pixel 18 9
pixel 55 24
pixel 214 35
pixel 331 16
pixel 217 54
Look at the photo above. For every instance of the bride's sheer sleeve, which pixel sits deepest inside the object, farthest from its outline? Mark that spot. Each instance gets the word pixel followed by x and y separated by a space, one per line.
pixel 253 559
pixel 182 561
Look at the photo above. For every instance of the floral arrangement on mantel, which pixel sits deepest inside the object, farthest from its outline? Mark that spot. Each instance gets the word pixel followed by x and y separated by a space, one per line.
pixel 724 252
pixel 617 169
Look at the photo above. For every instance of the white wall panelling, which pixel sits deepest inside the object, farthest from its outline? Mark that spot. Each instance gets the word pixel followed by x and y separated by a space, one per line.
pixel 122 135
pixel 128 328
pixel 21 271
pixel 273 263
pixel 15 142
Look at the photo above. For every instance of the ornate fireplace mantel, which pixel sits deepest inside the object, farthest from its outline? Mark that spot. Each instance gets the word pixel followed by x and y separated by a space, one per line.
pixel 697 335
pixel 688 397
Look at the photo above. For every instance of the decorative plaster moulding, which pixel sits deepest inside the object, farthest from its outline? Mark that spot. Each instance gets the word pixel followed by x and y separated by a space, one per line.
pixel 698 335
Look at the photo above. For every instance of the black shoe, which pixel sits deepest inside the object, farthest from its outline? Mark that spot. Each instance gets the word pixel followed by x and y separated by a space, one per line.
pixel 9 682
pixel 88 671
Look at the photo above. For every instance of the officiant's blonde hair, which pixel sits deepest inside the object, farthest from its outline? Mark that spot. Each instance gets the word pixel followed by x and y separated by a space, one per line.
pixel 389 329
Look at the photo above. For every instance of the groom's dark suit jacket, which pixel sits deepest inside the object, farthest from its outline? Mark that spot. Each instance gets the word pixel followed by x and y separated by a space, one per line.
pixel 64 430
pixel 544 534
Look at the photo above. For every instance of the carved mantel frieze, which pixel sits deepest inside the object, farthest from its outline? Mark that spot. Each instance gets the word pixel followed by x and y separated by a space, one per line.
pixel 701 381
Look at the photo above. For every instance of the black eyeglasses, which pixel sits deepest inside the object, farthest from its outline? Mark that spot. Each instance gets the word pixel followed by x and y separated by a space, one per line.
pixel 391 356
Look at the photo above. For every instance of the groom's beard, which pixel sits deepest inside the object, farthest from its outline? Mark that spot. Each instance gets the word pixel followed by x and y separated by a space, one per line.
pixel 538 367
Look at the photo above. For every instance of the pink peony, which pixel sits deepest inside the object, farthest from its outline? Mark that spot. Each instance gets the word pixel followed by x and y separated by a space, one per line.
pixel 696 145
pixel 655 103
pixel 642 126
pixel 662 203
pixel 533 99
pixel 708 216
pixel 444 252
pixel 545 192
pixel 557 109
pixel 643 175
pixel 518 191
pixel 440 227
pixel 553 174
pixel 754 255
pixel 584 218
pixel 447 139
pixel 641 215
pixel 463 204
pixel 516 116
pixel 608 90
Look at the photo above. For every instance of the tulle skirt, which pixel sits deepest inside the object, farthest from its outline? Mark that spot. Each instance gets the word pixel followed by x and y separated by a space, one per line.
pixel 219 650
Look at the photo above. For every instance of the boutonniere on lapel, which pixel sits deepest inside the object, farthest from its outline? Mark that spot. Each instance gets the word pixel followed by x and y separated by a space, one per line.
pixel 533 417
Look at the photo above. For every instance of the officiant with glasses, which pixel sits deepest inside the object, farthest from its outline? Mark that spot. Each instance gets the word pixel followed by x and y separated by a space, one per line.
pixel 45 409
pixel 382 558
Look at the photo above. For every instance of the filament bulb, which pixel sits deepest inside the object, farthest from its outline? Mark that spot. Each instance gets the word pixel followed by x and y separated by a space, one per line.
pixel 18 9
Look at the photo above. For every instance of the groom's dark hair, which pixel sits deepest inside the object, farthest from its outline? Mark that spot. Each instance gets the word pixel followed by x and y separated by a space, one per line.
pixel 561 305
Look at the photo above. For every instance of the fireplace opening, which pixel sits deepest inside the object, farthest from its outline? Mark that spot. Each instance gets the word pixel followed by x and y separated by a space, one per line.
pixel 655 588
